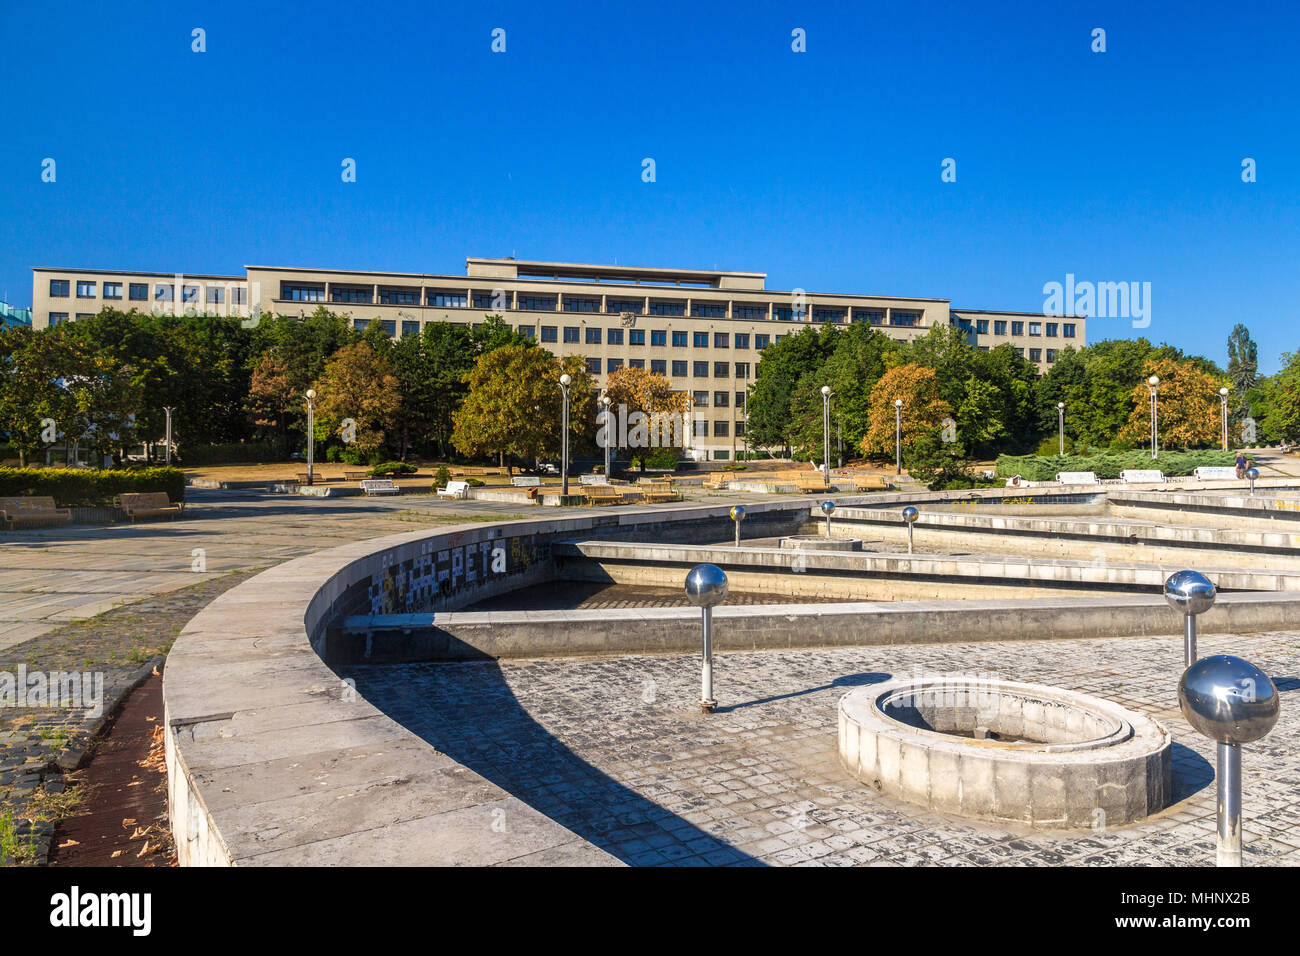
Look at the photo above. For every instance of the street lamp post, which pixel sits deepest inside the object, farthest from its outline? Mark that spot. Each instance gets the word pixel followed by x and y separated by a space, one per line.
pixel 1223 407
pixel 1060 426
pixel 898 436
pixel 167 453
pixel 1154 382
pixel 565 379
pixel 311 434
pixel 604 404
pixel 826 433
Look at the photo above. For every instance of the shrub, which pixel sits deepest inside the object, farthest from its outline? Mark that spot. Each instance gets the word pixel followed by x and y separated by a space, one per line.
pixel 392 468
pixel 661 458
pixel 441 477
pixel 1172 463
pixel 89 487
pixel 474 482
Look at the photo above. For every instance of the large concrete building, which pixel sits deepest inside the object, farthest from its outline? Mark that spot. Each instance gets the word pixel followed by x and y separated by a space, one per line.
pixel 703 329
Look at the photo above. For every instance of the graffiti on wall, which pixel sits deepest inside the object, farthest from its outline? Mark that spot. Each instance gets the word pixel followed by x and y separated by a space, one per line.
pixel 449 570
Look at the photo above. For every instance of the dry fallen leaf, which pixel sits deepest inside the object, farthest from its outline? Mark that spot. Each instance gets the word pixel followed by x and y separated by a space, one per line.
pixel 116 854
pixel 143 850
pixel 128 822
pixel 63 846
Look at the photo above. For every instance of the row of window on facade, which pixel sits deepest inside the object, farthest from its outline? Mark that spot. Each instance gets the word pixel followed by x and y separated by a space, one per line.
pixel 139 292
pixel 1051 330
pixel 499 301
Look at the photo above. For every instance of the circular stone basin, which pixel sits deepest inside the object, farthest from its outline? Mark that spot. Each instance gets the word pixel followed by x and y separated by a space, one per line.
pixel 819 542
pixel 1006 751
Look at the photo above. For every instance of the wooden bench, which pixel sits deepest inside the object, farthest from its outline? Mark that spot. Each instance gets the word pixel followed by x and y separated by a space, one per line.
pixel 1141 476
pixel 601 494
pixel 32 511
pixel 356 475
pixel 1215 473
pixel 658 497
pixel 523 481
pixel 812 481
pixel 593 479
pixel 148 504
pixel 870 483
pixel 380 486
pixel 455 489
pixel 1077 478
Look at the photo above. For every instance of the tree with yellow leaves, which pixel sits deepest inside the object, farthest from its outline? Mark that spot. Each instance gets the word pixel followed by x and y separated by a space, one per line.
pixel 1189 413
pixel 358 384
pixel 923 409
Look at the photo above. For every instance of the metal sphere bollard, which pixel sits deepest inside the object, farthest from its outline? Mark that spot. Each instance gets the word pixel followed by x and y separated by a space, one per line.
pixel 910 514
pixel 828 508
pixel 1252 474
pixel 738 515
pixel 706 586
pixel 1190 593
pixel 1232 702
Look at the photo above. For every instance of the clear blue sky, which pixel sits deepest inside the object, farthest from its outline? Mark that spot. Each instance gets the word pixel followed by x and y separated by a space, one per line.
pixel 821 169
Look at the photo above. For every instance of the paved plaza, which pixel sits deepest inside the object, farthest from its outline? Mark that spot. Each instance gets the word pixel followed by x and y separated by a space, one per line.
pixel 616 750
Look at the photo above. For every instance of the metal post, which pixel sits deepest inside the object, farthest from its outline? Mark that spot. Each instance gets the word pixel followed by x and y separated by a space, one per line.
pixel 1251 475
pixel 826 435
pixel 706 585
pixel 898 436
pixel 1223 404
pixel 1189 640
pixel 311 434
pixel 167 459
pixel 910 514
pixel 604 401
pixel 1229 774
pixel 1060 426
pixel 565 379
pixel 738 515
pixel 707 700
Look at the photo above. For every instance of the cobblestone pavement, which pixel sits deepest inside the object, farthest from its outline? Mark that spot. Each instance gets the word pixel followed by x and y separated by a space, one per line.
pixel 616 750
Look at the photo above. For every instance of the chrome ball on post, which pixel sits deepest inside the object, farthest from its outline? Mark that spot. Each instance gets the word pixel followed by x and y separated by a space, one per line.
pixel 1229 700
pixel 738 515
pixel 1252 474
pixel 910 514
pixel 706 586
pixel 1232 702
pixel 828 508
pixel 1190 592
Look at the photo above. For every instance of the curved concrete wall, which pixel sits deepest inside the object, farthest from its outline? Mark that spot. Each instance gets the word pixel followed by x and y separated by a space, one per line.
pixel 274 760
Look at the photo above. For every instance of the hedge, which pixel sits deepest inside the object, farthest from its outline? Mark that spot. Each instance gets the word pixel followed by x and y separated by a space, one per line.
pixel 1172 463
pixel 89 487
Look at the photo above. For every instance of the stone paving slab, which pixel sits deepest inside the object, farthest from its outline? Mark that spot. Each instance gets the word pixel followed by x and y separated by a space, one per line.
pixel 615 749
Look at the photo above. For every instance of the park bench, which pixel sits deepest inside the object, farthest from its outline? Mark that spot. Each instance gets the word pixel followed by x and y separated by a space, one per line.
pixel 593 479
pixel 1077 478
pixel 380 486
pixel 870 483
pixel 1132 476
pixel 717 483
pixel 524 481
pixel 656 496
pixel 1215 473
pixel 32 511
pixel 812 481
pixel 148 504
pixel 455 489
pixel 356 475
pixel 601 495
